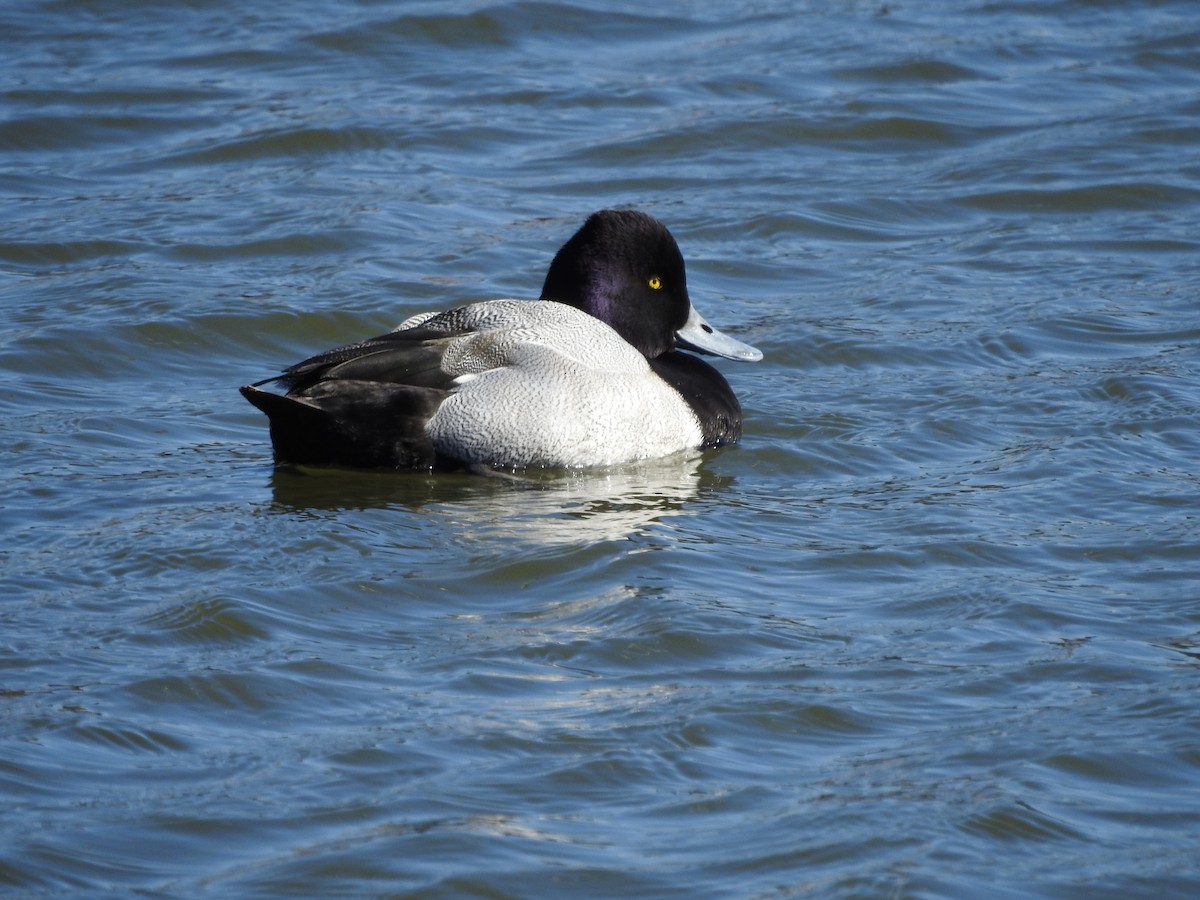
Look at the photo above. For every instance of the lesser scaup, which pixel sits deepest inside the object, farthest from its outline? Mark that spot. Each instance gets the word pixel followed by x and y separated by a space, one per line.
pixel 592 374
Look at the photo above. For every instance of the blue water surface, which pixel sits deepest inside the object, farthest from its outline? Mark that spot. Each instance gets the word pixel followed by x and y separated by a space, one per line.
pixel 931 630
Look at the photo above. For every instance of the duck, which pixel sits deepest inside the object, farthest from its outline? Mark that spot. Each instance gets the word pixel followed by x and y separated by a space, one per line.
pixel 600 371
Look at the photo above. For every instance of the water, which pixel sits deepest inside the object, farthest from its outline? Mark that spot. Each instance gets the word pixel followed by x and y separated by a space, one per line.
pixel 931 630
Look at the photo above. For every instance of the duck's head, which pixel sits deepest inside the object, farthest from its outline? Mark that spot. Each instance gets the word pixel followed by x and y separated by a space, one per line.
pixel 624 268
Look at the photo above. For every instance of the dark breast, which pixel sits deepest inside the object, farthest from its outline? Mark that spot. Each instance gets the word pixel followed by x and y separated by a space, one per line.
pixel 706 392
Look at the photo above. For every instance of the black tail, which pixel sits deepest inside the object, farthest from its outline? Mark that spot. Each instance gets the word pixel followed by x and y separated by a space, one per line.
pixel 353 423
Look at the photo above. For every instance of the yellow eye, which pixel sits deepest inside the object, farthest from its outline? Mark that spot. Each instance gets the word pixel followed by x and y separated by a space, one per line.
pixel 655 282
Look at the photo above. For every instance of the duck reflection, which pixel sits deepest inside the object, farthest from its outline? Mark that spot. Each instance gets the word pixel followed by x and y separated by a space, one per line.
pixel 555 507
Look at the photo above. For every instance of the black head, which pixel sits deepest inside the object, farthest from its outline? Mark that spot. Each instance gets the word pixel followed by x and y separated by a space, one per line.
pixel 624 268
